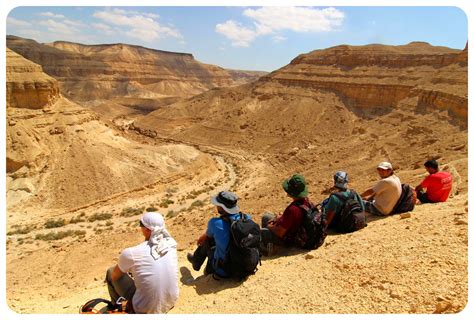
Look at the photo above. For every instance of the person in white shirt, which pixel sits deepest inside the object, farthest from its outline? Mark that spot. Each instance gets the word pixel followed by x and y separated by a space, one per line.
pixel 382 198
pixel 153 265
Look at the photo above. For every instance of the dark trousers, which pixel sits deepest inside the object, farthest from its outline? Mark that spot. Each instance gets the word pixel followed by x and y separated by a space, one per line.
pixel 206 250
pixel 370 208
pixel 423 197
pixel 122 287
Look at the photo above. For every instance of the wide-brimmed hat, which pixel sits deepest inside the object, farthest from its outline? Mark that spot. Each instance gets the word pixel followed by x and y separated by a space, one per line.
pixel 296 186
pixel 341 179
pixel 226 200
pixel 385 165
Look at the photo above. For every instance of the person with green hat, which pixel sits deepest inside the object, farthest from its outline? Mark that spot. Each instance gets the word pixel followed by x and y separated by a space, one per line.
pixel 281 230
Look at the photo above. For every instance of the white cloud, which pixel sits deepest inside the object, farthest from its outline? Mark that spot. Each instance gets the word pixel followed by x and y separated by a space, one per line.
pixel 56 27
pixel 105 29
pixel 12 22
pixel 278 38
pixel 270 20
pixel 238 34
pixel 51 15
pixel 138 25
pixel 296 18
pixel 74 23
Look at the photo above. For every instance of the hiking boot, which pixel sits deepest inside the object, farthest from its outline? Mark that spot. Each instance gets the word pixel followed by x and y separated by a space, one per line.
pixel 190 257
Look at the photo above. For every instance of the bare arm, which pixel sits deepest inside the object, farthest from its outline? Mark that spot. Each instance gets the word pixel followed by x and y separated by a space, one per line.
pixel 367 193
pixel 202 239
pixel 277 230
pixel 117 273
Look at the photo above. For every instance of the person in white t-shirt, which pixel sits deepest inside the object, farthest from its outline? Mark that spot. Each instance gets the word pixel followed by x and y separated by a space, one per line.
pixel 382 198
pixel 153 265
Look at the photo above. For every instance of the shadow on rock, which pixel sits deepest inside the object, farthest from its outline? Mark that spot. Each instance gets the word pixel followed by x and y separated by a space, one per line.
pixel 206 284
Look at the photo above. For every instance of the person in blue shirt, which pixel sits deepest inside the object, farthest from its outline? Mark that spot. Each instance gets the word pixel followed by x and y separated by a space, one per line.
pixel 214 243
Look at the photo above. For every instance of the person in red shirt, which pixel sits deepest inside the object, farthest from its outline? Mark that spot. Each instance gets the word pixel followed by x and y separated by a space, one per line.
pixel 281 230
pixel 438 184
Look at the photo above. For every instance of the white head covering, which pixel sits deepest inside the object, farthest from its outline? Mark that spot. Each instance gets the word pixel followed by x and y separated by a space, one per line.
pixel 385 165
pixel 160 240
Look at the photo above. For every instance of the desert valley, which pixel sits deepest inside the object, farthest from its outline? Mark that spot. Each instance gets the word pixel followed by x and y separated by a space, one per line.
pixel 98 134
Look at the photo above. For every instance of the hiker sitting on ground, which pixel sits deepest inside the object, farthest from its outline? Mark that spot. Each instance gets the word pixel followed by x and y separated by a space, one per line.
pixel 214 243
pixel 382 198
pixel 281 230
pixel 334 206
pixel 154 267
pixel 438 184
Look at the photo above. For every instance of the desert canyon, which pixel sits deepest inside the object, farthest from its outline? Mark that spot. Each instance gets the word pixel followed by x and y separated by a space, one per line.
pixel 98 134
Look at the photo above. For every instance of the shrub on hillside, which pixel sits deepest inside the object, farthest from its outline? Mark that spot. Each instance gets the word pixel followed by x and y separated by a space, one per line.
pixel 51 223
pixel 59 235
pixel 20 230
pixel 99 216
pixel 129 212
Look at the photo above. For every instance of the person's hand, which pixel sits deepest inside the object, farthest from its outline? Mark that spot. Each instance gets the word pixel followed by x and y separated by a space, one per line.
pixel 201 240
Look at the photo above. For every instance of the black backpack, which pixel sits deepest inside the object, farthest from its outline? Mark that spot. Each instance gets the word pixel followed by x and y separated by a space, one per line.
pixel 243 255
pixel 352 217
pixel 312 232
pixel 407 200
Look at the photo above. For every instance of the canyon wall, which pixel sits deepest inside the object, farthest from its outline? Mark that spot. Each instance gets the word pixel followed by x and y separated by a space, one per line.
pixel 27 86
pixel 382 76
pixel 90 72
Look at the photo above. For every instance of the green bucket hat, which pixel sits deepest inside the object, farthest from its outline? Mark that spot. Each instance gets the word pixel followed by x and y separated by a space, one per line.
pixel 296 186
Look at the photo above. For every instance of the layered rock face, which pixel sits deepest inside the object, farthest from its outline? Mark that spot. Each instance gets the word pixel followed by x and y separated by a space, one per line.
pixel 60 155
pixel 382 76
pixel 90 72
pixel 27 85
pixel 336 108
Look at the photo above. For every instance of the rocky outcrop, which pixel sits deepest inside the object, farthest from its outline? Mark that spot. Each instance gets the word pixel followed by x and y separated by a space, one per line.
pixel 90 72
pixel 382 76
pixel 27 85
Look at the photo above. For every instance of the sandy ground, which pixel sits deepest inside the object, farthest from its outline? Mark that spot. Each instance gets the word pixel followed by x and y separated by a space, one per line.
pixel 412 265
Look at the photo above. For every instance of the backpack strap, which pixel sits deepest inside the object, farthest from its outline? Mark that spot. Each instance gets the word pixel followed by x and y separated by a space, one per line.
pixel 302 206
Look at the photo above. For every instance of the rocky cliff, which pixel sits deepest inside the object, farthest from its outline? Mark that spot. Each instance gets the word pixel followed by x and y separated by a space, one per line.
pixel 382 76
pixel 27 85
pixel 382 101
pixel 60 155
pixel 90 72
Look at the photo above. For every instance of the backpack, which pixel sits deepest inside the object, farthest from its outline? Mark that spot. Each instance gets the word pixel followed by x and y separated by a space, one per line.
pixel 243 255
pixel 352 217
pixel 120 307
pixel 407 200
pixel 312 232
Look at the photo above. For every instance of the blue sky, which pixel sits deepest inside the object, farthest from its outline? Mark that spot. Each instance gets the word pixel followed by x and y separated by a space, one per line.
pixel 248 38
